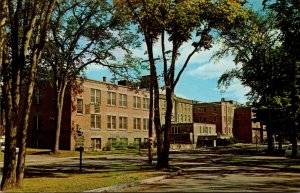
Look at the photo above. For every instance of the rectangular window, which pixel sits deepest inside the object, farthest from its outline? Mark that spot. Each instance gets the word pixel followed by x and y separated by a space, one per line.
pixel 95 96
pixel 137 123
pixel 123 123
pixel 79 106
pixel 137 141
pixel 204 119
pixel 215 119
pixel 215 109
pixel 112 142
pixel 123 100
pixel 97 108
pixel 111 122
pixel 204 109
pixel 95 121
pixel 145 124
pixel 37 122
pixel 136 102
pixel 124 141
pixel 96 144
pixel 37 97
pixel 146 103
pixel 111 98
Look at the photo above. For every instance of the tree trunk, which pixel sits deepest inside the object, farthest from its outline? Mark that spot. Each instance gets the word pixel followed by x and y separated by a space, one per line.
pixel 150 132
pixel 25 118
pixel 261 132
pixel 9 169
pixel 3 8
pixel 168 120
pixel 270 138
pixel 59 98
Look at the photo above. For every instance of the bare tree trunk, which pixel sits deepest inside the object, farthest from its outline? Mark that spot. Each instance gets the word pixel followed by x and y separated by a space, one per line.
pixel 3 15
pixel 150 132
pixel 261 132
pixel 270 138
pixel 24 119
pixel 58 113
pixel 9 169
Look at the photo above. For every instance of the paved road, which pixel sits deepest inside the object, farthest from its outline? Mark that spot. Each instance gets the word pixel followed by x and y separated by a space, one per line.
pixel 203 173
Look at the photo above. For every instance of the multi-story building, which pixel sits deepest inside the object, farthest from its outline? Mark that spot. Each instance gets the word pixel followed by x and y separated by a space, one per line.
pixel 193 135
pixel 104 114
pixel 245 130
pixel 219 113
pixel 182 111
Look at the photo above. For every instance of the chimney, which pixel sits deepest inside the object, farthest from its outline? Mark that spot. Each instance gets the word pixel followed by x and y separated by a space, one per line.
pixel 104 78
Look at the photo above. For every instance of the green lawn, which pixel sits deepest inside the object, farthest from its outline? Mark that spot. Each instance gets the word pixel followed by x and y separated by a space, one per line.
pixel 78 182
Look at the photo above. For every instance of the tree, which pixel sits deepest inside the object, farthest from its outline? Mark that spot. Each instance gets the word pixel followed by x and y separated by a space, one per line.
pixel 262 65
pixel 26 28
pixel 82 33
pixel 288 21
pixel 181 22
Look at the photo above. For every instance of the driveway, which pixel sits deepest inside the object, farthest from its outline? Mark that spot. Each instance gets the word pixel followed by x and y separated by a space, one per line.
pixel 204 171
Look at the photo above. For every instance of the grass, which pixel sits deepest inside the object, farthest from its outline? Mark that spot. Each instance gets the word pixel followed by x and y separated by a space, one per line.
pixel 78 182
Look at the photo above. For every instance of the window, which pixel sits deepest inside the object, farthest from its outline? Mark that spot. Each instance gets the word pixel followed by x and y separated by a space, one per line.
pixel 215 109
pixel 204 109
pixel 37 122
pixel 137 141
pixel 185 118
pixel 175 130
pixel 145 124
pixel 97 108
pixel 79 106
pixel 124 141
pixel 96 144
pixel 95 96
pixel 123 100
pixel 95 121
pixel 123 123
pixel 146 102
pixel 181 118
pixel 137 102
pixel 137 123
pixel 37 97
pixel 111 98
pixel 204 119
pixel 189 118
pixel 215 118
pixel 112 142
pixel 111 122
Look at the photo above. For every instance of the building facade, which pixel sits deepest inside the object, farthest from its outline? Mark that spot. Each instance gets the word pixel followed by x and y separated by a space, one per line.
pixel 182 111
pixel 219 113
pixel 101 116
pixel 245 130
pixel 193 135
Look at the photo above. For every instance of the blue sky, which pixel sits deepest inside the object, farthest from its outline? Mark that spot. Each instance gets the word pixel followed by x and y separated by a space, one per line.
pixel 199 81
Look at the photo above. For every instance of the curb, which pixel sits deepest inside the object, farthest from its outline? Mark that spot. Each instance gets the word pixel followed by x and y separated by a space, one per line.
pixel 131 184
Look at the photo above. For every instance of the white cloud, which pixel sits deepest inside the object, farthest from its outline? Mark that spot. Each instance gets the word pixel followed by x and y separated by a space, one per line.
pixel 212 69
pixel 237 91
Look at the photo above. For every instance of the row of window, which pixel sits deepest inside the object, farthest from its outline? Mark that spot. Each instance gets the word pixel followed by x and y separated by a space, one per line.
pixel 96 142
pixel 123 122
pixel 204 119
pixel 205 109
pixel 112 98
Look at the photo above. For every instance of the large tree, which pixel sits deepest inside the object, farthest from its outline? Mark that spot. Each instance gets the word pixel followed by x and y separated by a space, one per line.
pixel 26 29
pixel 82 32
pixel 176 23
pixel 288 21
pixel 259 57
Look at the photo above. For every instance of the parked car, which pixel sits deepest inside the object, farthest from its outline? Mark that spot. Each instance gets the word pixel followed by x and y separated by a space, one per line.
pixel 288 151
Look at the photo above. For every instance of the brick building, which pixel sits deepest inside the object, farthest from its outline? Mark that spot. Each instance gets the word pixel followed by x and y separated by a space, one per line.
pixel 105 114
pixel 219 113
pixel 245 130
